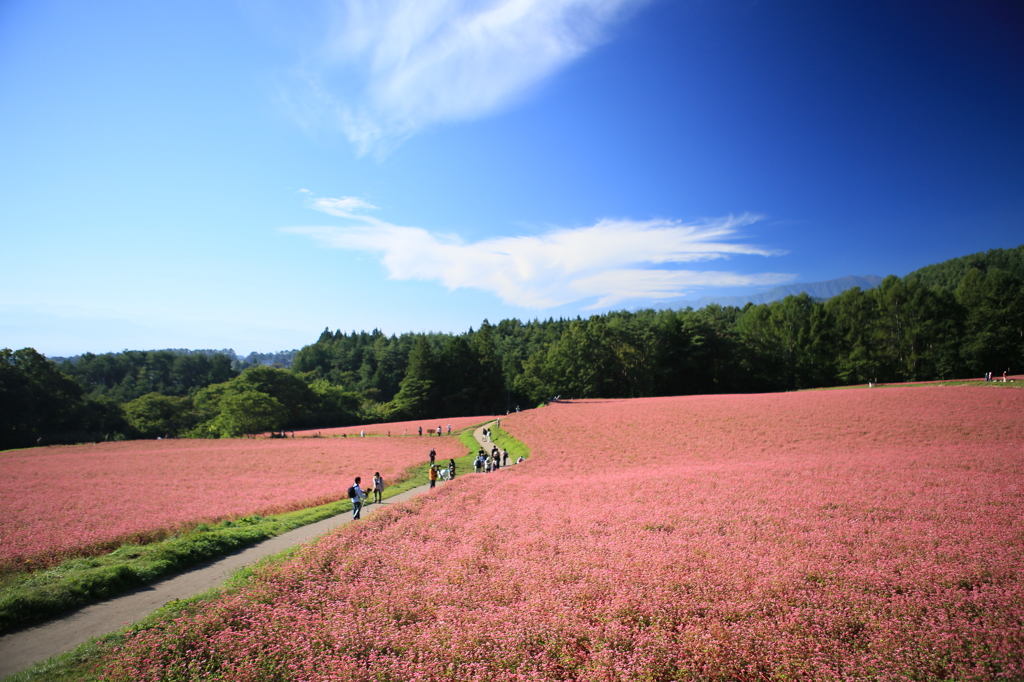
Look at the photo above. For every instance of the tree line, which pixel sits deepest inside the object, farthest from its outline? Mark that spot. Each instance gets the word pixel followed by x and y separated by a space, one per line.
pixel 956 319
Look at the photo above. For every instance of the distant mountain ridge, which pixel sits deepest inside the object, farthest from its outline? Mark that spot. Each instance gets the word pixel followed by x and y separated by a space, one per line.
pixel 818 290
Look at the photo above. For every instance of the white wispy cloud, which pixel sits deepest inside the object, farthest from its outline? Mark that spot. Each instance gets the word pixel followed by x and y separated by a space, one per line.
pixel 606 264
pixel 385 69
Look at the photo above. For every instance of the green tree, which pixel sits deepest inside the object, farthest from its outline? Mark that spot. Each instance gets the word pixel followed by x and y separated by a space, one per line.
pixel 994 334
pixel 417 395
pixel 247 412
pixel 291 392
pixel 37 400
pixel 486 377
pixel 334 405
pixel 854 317
pixel 456 381
pixel 154 415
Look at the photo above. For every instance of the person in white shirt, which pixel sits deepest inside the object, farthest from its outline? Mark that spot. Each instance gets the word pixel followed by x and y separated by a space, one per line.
pixel 357 499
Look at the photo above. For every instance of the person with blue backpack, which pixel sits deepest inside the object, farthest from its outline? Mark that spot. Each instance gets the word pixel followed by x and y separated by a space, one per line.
pixel 356 494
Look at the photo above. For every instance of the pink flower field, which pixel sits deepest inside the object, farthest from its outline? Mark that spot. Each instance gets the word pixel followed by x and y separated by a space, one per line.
pixel 64 501
pixel 832 535
pixel 410 428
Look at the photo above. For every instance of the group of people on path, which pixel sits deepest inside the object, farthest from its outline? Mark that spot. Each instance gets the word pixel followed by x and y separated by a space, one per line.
pixel 484 463
pixel 435 472
pixel 491 462
pixel 357 495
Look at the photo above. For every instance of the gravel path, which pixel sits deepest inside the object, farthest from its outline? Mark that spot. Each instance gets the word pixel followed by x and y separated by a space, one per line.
pixel 21 650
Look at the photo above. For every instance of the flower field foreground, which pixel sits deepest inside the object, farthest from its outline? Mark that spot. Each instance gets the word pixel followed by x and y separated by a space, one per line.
pixel 843 535
pixel 410 428
pixel 63 501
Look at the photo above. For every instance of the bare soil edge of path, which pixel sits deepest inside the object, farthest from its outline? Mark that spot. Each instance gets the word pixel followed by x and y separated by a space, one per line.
pixel 21 650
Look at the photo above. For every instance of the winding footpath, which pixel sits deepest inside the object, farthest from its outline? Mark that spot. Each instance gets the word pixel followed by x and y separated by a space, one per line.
pixel 21 650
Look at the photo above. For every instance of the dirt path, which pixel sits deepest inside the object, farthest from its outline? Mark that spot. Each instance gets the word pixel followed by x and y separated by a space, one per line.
pixel 21 650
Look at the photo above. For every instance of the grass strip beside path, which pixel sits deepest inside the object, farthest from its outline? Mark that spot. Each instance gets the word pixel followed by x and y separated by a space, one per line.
pixel 30 598
pixel 507 442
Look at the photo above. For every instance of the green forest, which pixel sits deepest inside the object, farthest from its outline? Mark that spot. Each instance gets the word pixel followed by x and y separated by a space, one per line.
pixel 956 319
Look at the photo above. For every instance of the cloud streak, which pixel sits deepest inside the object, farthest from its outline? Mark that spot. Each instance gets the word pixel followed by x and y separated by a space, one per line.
pixel 385 69
pixel 606 264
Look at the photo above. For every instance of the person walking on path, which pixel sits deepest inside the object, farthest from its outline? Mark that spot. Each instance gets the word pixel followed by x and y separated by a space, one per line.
pixel 357 495
pixel 432 456
pixel 432 475
pixel 451 469
pixel 504 458
pixel 378 488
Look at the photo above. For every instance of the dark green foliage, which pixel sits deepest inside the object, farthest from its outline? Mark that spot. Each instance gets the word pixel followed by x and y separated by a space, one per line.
pixel 292 393
pixel 246 411
pixel 948 274
pixel 334 405
pixel 993 303
pixel 418 392
pixel 132 374
pixel 40 404
pixel 154 415
pixel 788 344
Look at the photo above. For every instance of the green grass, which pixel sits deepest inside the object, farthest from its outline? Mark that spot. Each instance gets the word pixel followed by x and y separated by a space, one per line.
pixel 81 664
pixel 507 442
pixel 34 597
pixel 500 438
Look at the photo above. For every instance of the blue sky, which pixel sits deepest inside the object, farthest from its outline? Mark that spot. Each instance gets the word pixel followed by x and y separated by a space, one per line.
pixel 204 174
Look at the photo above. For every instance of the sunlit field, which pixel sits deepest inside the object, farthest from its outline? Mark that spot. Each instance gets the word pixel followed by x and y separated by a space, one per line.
pixel 409 428
pixel 861 535
pixel 64 501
